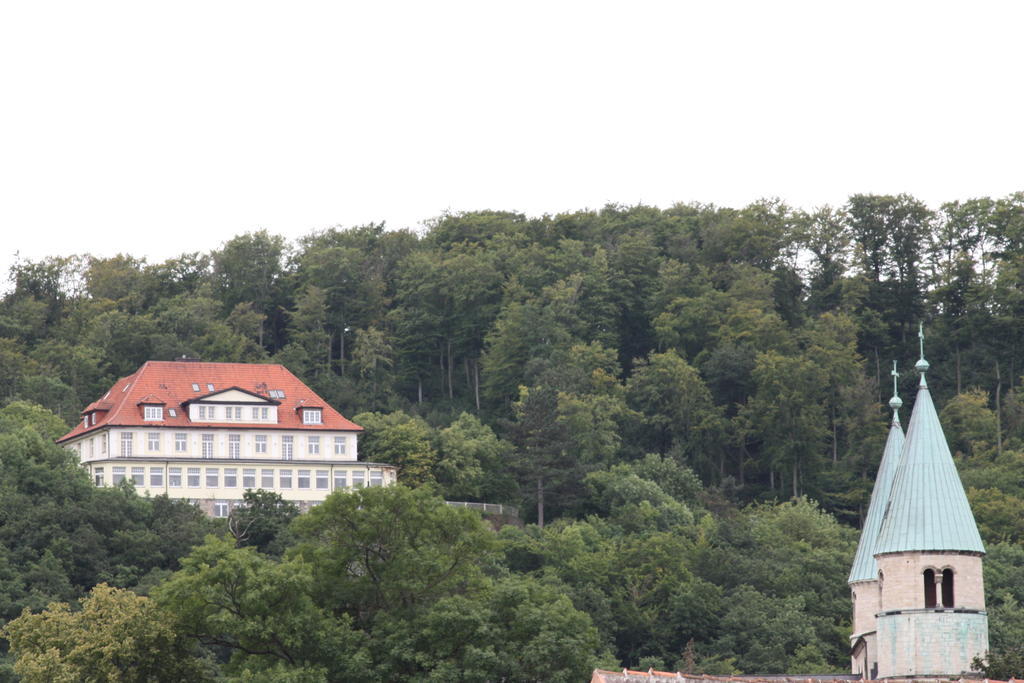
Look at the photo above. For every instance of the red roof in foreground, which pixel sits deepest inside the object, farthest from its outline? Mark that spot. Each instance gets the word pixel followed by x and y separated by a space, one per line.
pixel 652 676
pixel 170 383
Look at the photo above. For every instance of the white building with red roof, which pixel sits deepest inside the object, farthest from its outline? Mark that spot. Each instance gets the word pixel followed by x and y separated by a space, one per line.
pixel 209 431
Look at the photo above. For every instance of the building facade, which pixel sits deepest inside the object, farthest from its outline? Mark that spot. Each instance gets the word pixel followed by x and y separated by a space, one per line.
pixel 919 602
pixel 209 431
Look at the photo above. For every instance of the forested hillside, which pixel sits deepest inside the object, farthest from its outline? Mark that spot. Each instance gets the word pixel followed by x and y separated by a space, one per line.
pixel 688 405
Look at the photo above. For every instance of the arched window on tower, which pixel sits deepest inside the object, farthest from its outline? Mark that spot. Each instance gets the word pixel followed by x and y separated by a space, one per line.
pixel 929 588
pixel 947 587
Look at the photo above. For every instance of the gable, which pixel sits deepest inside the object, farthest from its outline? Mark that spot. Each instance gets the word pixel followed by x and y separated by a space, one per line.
pixel 234 395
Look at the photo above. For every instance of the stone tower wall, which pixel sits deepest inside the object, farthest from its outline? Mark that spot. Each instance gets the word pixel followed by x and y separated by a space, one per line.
pixel 902 579
pixel 865 606
pixel 929 642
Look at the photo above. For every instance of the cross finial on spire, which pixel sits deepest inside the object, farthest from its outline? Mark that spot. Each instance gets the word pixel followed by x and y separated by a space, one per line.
pixel 921 365
pixel 895 402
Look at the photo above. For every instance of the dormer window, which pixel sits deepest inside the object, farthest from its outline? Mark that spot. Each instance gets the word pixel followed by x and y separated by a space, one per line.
pixel 85 421
pixel 312 416
pixel 153 412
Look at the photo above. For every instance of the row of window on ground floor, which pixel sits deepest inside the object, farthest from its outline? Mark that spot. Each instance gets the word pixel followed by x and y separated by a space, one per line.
pixel 223 508
pixel 234 477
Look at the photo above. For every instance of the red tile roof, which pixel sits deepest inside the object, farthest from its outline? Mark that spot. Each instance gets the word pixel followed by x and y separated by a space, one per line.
pixel 170 383
pixel 652 676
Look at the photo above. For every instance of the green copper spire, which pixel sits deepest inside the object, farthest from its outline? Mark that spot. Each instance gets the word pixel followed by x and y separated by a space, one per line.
pixel 927 509
pixel 865 568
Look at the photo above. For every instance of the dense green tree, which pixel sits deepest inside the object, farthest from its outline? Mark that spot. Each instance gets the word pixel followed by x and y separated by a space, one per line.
pixel 262 521
pixel 116 636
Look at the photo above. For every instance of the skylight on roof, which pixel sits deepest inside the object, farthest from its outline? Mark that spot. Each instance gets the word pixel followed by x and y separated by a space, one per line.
pixel 209 387
pixel 172 412
pixel 195 387
pixel 276 393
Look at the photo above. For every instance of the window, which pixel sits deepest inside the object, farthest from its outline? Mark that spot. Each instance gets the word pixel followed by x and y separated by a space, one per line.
pixel 234 446
pixel 195 387
pixel 238 412
pixel 193 477
pixel 156 476
pixel 103 445
pixel 286 479
pixel 286 447
pixel 249 479
pixel 172 412
pixel 221 508
pixel 357 479
pixel 180 442
pixel 230 477
pixel 312 416
pixel 118 476
pixel 208 446
pixel 202 412
pixel 261 443
pixel 152 412
pixel 267 479
pixel 313 444
pixel 276 393
pixel 339 445
pixel 126 444
pixel 92 418
pixel 947 587
pixel 340 479
pixel 376 478
pixel 322 479
pixel 255 412
pixel 264 413
pixel 174 476
pixel 85 421
pixel 303 479
pixel 212 477
pixel 97 476
pixel 153 442
pixel 209 387
pixel 92 446
pixel 139 476
pixel 929 588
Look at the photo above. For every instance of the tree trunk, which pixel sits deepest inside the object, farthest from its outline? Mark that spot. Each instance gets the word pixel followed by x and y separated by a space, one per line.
pixel 451 393
pixel 341 357
pixel 440 365
pixel 878 375
pixel 419 390
pixel 835 437
pixel 958 388
pixel 476 382
pixel 796 481
pixel 771 478
pixel 540 502
pixel 999 412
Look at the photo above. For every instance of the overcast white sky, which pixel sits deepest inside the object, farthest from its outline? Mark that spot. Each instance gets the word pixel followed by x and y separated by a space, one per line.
pixel 159 128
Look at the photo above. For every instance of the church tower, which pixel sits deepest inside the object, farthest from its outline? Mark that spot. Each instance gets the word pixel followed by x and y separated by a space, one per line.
pixel 931 618
pixel 863 578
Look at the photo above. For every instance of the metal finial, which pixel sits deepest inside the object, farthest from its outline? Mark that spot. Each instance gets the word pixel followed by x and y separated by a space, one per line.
pixel 921 365
pixel 895 402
